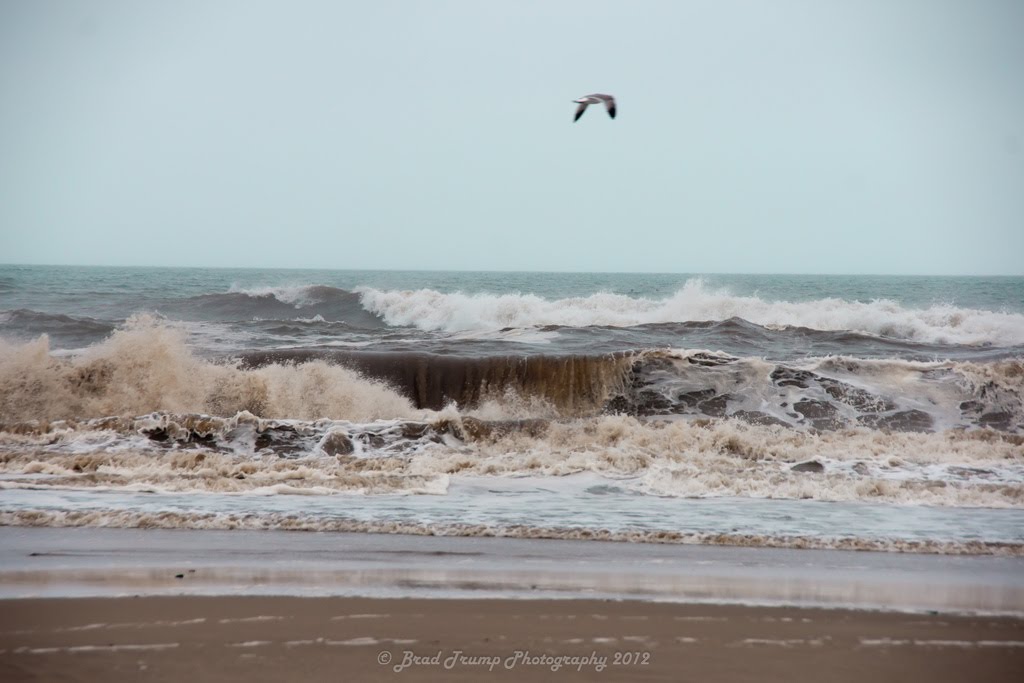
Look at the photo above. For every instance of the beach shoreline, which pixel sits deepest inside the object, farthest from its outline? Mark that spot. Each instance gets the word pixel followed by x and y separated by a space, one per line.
pixel 152 604
pixel 41 562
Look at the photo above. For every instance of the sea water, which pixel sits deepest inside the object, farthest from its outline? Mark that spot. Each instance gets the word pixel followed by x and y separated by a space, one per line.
pixel 825 411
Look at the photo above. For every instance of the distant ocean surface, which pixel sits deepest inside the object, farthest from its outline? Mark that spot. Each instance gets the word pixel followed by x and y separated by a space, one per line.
pixel 791 411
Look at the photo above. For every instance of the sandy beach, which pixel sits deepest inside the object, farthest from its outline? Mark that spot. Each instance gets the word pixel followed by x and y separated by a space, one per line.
pixel 329 639
pixel 124 604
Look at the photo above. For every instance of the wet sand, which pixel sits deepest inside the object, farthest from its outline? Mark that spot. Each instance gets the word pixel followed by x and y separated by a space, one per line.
pixel 93 562
pixel 85 604
pixel 258 638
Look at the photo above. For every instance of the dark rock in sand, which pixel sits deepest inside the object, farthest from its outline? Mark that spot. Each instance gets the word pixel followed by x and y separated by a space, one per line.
pixel 972 406
pixel 903 421
pixel 812 466
pixel 971 472
pixel 414 430
pixel 477 429
pixel 812 409
pixel 372 440
pixel 856 398
pixel 1002 421
pixel 708 360
pixel 618 405
pixel 788 377
pixel 337 443
pixel 158 434
pixel 840 391
pixel 651 403
pixel 691 399
pixel 756 417
pixel 829 424
pixel 716 406
pixel 281 440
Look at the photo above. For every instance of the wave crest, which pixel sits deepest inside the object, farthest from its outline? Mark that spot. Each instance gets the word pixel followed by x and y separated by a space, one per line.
pixel 431 310
pixel 280 303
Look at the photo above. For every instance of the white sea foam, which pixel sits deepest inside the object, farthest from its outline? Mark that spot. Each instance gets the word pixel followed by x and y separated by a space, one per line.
pixel 206 520
pixel 175 471
pixel 732 458
pixel 697 459
pixel 458 312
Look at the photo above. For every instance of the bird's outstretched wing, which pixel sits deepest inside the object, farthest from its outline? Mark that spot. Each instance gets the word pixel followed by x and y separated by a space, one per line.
pixel 609 104
pixel 579 111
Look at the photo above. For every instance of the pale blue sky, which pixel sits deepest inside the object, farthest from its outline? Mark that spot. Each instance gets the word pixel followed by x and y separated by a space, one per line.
pixel 814 136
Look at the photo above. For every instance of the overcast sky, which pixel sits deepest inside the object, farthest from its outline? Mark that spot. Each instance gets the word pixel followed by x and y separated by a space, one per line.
pixel 793 136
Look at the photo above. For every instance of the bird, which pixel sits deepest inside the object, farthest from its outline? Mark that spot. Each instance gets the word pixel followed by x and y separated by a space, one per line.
pixel 609 103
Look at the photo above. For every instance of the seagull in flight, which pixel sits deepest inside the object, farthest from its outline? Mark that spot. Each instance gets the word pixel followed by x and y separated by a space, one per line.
pixel 609 103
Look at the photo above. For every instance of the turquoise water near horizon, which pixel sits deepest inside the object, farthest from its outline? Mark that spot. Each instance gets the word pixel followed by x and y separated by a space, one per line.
pixel 53 287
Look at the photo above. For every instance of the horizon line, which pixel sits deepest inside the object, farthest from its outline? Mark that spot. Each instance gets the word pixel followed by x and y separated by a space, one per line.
pixel 506 270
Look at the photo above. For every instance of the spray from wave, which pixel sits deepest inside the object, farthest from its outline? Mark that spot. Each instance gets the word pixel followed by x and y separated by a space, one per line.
pixel 146 366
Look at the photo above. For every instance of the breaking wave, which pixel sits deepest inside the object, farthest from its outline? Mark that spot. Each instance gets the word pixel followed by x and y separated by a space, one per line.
pixel 307 302
pixel 71 330
pixel 140 412
pixel 824 394
pixel 146 366
pixel 317 407
pixel 458 312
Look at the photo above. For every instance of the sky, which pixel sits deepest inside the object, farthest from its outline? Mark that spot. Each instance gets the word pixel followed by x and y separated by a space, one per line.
pixel 793 136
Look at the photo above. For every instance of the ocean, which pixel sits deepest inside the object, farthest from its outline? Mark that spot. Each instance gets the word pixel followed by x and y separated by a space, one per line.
pixel 860 412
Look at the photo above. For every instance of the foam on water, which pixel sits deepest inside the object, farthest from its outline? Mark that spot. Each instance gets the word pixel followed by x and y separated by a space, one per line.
pixel 718 458
pixel 297 521
pixel 429 309
pixel 586 435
